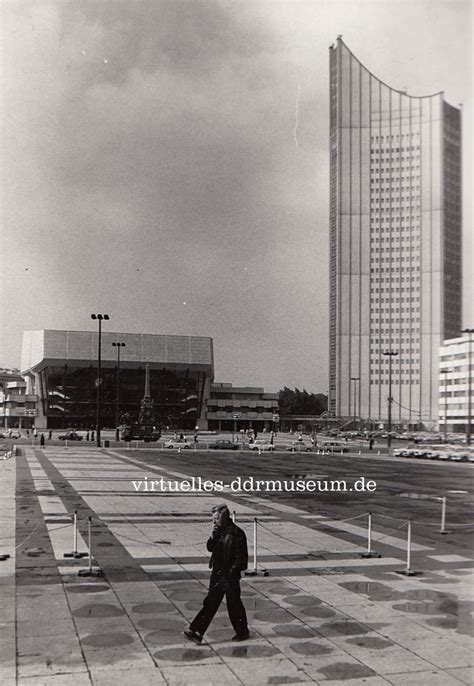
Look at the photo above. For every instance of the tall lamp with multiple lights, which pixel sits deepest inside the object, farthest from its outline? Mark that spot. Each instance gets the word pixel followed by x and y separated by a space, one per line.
pixel 390 354
pixel 118 345
pixel 98 381
pixel 469 385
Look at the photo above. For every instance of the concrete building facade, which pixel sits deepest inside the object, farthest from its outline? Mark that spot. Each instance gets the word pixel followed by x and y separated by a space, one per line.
pixel 17 408
pixel 456 379
pixel 395 243
pixel 231 408
pixel 60 368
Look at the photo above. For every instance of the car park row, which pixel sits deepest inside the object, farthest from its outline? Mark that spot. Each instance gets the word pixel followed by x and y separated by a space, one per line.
pixel 443 453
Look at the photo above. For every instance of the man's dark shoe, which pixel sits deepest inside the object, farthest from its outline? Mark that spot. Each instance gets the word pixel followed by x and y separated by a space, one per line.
pixel 193 636
pixel 241 637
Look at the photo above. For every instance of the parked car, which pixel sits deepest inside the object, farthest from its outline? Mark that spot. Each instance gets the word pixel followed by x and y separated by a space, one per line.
pixel 333 447
pixel 262 445
pixel 176 443
pixel 13 434
pixel 224 445
pixel 300 447
pixel 70 436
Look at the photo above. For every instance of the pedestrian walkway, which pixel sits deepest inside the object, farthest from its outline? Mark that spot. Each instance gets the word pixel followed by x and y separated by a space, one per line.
pixel 323 615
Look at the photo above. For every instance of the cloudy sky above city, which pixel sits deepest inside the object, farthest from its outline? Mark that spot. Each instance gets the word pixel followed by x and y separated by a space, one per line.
pixel 166 162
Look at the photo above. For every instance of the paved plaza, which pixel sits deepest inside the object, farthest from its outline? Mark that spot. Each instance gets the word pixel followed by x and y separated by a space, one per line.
pixel 323 614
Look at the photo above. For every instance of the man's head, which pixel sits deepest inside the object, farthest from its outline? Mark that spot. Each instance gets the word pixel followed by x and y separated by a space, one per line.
pixel 220 514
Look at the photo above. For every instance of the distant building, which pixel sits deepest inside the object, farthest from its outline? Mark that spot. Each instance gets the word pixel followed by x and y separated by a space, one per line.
pixel 60 368
pixel 395 243
pixel 231 408
pixel 17 409
pixel 454 373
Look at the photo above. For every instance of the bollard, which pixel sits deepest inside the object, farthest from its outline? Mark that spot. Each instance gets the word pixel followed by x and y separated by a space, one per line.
pixel 378 452
pixel 408 571
pixel 443 529
pixel 74 553
pixel 360 452
pixel 255 571
pixel 370 552
pixel 233 516
pixel 89 571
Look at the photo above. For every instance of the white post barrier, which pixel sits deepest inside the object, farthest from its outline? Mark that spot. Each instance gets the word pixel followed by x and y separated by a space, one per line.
pixel 255 571
pixel 74 549
pixel 408 547
pixel 233 516
pixel 443 529
pixel 369 532
pixel 408 571
pixel 75 554
pixel 89 571
pixel 89 543
pixel 255 545
pixel 370 552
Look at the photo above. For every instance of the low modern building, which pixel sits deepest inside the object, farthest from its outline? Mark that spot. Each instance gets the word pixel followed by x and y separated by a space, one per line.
pixel 60 368
pixel 455 380
pixel 17 408
pixel 231 408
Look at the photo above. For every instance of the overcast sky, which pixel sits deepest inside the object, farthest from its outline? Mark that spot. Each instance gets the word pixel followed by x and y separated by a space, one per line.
pixel 166 162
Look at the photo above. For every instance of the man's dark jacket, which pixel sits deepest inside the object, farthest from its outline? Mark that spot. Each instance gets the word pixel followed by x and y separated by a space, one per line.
pixel 229 551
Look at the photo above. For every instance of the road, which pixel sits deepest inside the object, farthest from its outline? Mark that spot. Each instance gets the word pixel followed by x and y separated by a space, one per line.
pixel 405 488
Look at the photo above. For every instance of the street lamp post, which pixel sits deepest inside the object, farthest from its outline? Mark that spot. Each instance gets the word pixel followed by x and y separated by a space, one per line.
pixel 469 385
pixel 390 354
pixel 98 381
pixel 117 345
pixel 355 379
pixel 444 372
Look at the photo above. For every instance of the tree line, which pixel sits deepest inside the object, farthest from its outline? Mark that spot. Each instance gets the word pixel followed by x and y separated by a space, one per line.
pixel 296 402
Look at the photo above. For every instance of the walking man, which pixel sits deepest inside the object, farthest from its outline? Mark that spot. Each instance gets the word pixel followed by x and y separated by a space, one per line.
pixel 228 545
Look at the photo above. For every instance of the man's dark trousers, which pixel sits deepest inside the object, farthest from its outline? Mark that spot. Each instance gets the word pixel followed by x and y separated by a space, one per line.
pixel 219 586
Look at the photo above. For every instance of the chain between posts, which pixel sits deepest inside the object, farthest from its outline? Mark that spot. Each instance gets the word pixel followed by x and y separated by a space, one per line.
pixel 64 526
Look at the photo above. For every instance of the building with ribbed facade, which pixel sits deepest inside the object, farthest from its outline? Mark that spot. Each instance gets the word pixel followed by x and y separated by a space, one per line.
pixel 60 369
pixel 395 243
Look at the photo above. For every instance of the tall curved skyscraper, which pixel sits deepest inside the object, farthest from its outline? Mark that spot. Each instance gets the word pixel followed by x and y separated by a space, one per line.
pixel 395 243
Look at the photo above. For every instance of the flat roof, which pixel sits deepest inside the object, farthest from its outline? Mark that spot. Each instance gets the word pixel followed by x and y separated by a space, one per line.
pixel 48 347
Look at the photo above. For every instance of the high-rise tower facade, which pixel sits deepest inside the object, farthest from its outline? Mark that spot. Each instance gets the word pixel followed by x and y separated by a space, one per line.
pixel 395 243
